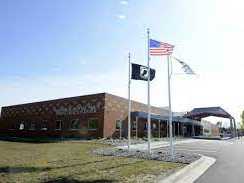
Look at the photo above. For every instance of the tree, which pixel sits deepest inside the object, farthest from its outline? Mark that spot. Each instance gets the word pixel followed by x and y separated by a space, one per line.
pixel 242 120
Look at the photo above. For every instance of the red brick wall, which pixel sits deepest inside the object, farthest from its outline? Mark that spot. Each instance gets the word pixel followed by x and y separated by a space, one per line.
pixel 117 108
pixel 215 130
pixel 65 110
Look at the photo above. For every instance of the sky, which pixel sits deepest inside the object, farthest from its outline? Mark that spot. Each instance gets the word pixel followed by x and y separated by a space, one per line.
pixel 59 48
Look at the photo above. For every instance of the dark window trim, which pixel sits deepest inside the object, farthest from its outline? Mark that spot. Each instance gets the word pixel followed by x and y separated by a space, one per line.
pixel 32 129
pixel 44 129
pixel 74 129
pixel 92 129
pixel 60 126
pixel 121 121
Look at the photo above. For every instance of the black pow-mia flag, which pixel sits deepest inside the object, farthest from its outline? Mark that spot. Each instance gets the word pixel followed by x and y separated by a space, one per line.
pixel 139 72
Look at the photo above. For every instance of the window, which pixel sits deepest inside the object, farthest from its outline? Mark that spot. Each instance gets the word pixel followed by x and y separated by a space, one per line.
pixel 154 126
pixel 134 125
pixel 58 125
pixel 44 125
pixel 21 126
pixel 92 124
pixel 206 130
pixel 75 124
pixel 32 126
pixel 145 126
pixel 118 124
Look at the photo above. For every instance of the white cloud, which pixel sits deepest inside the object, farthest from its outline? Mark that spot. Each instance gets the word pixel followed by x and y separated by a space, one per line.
pixel 121 17
pixel 124 2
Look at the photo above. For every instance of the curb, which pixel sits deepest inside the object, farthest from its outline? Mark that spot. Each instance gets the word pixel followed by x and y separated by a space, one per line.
pixel 191 172
pixel 156 145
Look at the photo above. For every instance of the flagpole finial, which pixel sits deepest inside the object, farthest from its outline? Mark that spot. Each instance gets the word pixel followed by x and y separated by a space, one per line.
pixel 148 30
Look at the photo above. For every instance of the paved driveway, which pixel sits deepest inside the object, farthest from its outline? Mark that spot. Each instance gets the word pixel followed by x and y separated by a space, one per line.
pixel 210 148
pixel 229 167
pixel 229 155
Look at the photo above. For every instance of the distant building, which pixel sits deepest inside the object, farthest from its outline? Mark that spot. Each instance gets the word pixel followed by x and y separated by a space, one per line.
pixel 210 129
pixel 94 116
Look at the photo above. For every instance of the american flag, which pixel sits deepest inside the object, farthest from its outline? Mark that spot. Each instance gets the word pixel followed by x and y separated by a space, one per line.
pixel 157 48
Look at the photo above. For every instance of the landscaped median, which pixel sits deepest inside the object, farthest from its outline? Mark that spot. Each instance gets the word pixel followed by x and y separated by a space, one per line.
pixel 73 161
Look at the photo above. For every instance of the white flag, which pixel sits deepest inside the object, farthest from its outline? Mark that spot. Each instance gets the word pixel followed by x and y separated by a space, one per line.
pixel 186 68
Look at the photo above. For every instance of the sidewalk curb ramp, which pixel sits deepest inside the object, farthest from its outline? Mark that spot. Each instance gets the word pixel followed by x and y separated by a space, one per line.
pixel 191 172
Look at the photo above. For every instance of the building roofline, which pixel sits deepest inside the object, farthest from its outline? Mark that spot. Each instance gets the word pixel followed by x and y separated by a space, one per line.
pixel 76 97
pixel 199 111
pixel 53 100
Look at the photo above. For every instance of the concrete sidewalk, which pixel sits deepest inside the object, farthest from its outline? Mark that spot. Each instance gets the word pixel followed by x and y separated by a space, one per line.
pixel 157 144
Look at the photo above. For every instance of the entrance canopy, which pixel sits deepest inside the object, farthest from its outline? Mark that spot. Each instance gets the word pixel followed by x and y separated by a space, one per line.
pixel 199 113
pixel 155 117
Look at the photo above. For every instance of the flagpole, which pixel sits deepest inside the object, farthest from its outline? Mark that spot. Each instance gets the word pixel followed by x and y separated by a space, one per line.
pixel 129 103
pixel 148 94
pixel 170 111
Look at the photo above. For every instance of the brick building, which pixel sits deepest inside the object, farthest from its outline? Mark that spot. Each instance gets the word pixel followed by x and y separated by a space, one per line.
pixel 210 129
pixel 97 115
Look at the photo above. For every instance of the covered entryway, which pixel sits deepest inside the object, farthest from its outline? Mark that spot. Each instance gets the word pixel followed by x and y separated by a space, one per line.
pixel 188 127
pixel 199 113
pixel 160 127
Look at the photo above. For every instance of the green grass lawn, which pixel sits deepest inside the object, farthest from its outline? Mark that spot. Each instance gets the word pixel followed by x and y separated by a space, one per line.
pixel 71 162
